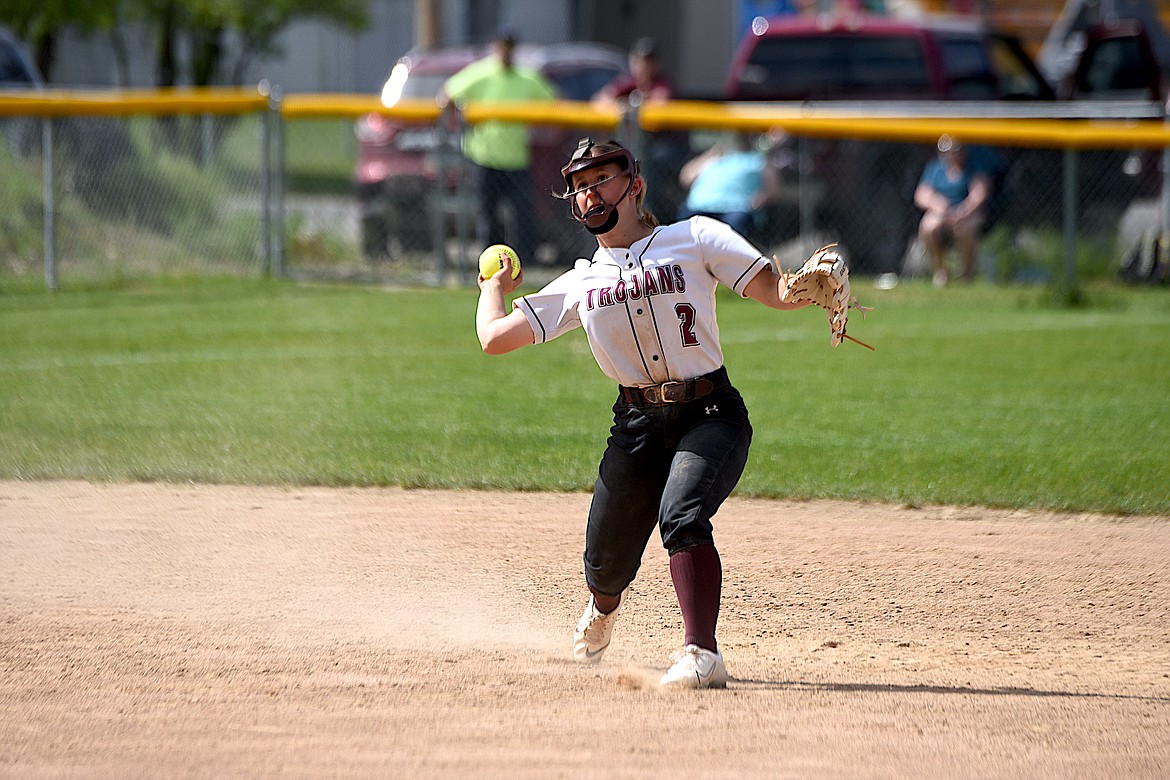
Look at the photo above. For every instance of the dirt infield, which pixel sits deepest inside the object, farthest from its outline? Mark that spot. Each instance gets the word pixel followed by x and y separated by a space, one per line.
pixel 161 630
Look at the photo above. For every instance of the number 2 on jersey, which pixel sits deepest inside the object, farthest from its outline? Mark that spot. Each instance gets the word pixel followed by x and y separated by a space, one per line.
pixel 686 319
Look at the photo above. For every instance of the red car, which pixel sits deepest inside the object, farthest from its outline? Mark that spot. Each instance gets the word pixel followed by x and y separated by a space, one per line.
pixel 397 168
pixel 862 57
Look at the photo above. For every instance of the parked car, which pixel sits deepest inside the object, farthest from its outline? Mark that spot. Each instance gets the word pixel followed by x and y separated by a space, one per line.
pixel 1132 46
pixel 866 200
pixel 866 57
pixel 397 170
pixel 18 71
pixel 1117 61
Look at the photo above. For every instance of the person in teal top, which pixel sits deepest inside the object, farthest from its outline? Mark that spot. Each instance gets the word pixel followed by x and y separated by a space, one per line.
pixel 732 185
pixel 500 150
pixel 953 194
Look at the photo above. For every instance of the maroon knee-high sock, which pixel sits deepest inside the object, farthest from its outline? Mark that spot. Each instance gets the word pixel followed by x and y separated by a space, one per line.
pixel 697 574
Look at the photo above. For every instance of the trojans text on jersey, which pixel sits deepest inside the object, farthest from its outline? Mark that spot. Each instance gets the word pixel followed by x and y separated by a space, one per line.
pixel 642 284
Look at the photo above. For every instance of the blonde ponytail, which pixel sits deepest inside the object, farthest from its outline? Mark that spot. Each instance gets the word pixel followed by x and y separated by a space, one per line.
pixel 645 217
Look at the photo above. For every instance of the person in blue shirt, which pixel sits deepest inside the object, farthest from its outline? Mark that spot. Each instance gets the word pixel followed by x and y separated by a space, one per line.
pixel 953 194
pixel 729 183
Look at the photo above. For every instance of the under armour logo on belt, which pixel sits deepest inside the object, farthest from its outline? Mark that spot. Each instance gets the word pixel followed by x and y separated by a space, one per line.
pixel 711 409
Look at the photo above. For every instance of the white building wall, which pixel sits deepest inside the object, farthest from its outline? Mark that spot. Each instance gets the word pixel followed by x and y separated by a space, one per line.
pixel 705 46
pixel 315 57
pixel 538 21
pixel 323 58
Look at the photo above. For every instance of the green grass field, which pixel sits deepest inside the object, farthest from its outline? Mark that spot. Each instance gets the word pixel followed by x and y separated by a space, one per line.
pixel 984 395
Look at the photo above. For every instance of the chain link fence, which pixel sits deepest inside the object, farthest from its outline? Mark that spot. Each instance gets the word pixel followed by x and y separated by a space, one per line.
pixel 95 199
pixel 425 211
pixel 861 194
pixel 331 196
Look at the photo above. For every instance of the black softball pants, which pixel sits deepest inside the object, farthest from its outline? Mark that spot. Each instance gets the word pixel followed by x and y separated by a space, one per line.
pixel 670 466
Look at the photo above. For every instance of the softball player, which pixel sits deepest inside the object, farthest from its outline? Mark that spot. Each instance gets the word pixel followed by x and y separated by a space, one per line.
pixel 680 435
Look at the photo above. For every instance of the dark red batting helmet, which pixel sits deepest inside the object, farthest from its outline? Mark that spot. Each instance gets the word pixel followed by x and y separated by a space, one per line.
pixel 602 217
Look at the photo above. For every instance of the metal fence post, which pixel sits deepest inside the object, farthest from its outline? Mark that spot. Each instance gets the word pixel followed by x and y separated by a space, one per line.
pixel 279 171
pixel 266 182
pixel 1165 231
pixel 206 140
pixel 50 205
pixel 630 130
pixel 804 195
pixel 1070 219
pixel 441 204
pixel 463 214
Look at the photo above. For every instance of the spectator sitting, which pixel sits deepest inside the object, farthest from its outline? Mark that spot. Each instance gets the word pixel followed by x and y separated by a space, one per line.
pixel 732 184
pixel 953 193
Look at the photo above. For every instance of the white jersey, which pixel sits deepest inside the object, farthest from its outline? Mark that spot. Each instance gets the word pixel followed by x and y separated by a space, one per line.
pixel 649 311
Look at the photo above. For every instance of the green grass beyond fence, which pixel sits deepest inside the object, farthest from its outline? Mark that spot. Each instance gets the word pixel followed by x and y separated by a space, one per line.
pixel 980 395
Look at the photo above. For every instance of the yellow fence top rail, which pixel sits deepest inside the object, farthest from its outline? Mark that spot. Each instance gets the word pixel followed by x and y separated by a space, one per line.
pixel 673 115
pixel 55 102
pixel 560 113
pixel 328 106
pixel 1065 133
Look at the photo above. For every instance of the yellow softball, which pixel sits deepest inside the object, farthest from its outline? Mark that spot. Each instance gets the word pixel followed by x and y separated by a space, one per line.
pixel 491 261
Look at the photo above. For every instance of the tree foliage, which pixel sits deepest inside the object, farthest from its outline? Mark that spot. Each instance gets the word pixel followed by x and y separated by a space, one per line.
pixel 37 22
pixel 224 37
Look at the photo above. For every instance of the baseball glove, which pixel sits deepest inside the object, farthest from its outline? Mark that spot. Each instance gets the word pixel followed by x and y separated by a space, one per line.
pixel 824 281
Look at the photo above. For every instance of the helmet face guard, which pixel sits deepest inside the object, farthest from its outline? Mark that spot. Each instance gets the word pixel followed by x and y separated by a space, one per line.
pixel 602 217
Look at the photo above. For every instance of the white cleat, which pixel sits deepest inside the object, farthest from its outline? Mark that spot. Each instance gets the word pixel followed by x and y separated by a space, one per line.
pixel 594 631
pixel 695 668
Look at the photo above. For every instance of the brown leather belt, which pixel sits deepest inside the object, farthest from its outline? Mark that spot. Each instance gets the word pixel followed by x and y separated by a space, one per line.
pixel 675 392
